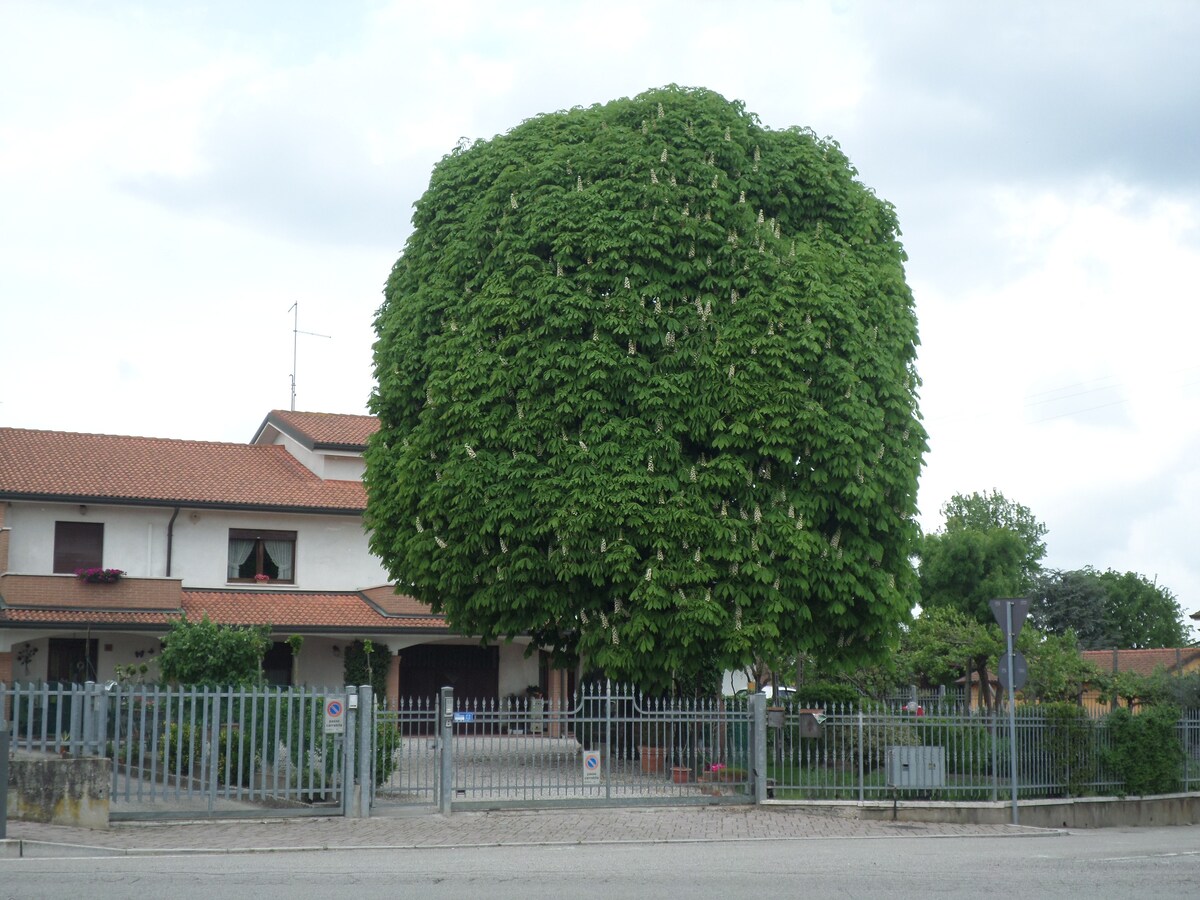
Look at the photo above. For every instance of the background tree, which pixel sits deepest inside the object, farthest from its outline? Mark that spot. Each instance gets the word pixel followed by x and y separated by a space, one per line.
pixel 989 547
pixel 647 393
pixel 1072 601
pixel 210 655
pixel 1057 672
pixel 1140 614
pixel 988 510
pixel 1108 609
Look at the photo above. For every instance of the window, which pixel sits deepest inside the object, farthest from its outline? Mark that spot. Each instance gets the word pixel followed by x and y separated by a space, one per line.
pixel 78 545
pixel 255 553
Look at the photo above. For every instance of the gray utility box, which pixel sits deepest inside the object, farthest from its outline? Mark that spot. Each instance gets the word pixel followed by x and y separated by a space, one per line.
pixel 921 768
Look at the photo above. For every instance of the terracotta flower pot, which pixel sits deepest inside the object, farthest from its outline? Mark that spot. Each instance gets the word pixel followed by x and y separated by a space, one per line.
pixel 652 758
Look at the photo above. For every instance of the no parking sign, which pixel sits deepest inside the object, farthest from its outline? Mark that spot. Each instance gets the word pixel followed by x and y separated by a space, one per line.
pixel 591 765
pixel 335 715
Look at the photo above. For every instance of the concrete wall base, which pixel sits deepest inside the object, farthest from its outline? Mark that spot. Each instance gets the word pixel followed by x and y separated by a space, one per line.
pixel 1080 812
pixel 60 791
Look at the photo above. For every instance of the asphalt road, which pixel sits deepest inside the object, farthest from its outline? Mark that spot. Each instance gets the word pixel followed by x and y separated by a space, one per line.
pixel 1109 863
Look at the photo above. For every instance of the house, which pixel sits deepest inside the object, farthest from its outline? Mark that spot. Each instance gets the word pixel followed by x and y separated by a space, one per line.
pixel 1172 660
pixel 268 532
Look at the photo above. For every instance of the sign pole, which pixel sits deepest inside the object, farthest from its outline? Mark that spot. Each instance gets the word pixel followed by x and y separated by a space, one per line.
pixel 1012 712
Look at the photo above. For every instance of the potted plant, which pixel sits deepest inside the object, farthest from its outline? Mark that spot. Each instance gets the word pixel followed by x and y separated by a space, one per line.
pixel 652 747
pixel 97 575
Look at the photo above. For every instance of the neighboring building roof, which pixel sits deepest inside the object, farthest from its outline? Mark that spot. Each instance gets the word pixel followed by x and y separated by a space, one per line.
pixel 97 468
pixel 300 611
pixel 322 431
pixel 1144 662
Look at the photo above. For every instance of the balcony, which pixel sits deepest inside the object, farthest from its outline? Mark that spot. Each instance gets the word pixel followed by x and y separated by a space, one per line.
pixel 69 592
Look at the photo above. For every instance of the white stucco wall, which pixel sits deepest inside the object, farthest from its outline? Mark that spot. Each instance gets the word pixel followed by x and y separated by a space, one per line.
pixel 334 465
pixel 331 551
pixel 135 539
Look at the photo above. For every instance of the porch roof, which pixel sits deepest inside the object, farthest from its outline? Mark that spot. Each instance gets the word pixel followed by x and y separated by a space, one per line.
pixel 301 611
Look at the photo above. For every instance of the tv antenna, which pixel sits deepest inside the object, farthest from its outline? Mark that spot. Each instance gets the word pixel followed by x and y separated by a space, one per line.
pixel 296 332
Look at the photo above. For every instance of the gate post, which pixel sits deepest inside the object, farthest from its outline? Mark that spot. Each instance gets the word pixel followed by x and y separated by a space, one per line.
pixel 366 749
pixel 3 772
pixel 446 751
pixel 84 739
pixel 758 745
pixel 349 807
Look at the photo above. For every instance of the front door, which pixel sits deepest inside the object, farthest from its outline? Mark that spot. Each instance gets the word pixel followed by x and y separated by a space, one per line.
pixel 72 660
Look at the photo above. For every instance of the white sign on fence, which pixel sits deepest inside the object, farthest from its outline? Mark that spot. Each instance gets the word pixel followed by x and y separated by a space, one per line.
pixel 591 765
pixel 335 715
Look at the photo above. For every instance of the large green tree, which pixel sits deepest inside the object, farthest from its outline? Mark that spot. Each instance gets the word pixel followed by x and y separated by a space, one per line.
pixel 647 393
pixel 989 547
pixel 1108 609
pixel 1072 601
pixel 1140 613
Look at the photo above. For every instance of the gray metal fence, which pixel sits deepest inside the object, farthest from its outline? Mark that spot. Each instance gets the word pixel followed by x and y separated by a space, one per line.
pixel 189 751
pixel 609 745
pixel 847 756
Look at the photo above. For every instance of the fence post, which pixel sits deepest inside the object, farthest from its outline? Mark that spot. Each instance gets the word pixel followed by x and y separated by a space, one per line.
pixel 3 768
pixel 758 745
pixel 89 717
pixel 349 807
pixel 366 747
pixel 862 775
pixel 446 750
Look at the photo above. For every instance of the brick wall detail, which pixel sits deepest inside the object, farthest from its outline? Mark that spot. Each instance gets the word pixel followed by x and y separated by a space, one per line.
pixel 68 592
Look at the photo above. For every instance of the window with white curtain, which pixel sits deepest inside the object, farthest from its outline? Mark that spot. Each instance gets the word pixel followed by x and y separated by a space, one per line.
pixel 262 556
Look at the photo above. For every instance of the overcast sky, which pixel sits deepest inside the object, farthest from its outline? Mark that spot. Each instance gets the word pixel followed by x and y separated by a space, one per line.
pixel 175 176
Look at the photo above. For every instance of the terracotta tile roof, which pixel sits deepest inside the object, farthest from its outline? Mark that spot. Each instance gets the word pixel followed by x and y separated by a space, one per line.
pixel 302 611
pixel 91 617
pixel 283 610
pixel 1144 662
pixel 98 467
pixel 393 603
pixel 324 430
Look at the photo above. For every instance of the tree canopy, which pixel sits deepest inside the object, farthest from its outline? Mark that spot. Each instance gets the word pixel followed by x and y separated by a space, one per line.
pixel 989 547
pixel 647 393
pixel 1108 609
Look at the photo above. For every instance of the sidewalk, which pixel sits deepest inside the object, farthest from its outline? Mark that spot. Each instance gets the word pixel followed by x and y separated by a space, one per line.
pixel 473 829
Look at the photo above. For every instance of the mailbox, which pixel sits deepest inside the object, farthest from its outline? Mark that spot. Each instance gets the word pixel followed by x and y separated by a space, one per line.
pixel 809 722
pixel 776 715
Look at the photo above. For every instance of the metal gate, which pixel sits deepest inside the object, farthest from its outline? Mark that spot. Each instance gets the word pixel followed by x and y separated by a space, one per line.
pixel 609 746
pixel 186 752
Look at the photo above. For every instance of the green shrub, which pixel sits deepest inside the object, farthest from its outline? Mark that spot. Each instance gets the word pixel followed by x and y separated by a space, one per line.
pixel 1065 746
pixel 366 662
pixel 877 736
pixel 968 743
pixel 824 694
pixel 181 749
pixel 1144 749
pixel 209 655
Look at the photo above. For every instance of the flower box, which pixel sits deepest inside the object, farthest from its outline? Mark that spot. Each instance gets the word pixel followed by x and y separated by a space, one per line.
pixel 97 575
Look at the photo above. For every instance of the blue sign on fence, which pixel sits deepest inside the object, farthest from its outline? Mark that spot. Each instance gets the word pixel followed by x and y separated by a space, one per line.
pixel 464 717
